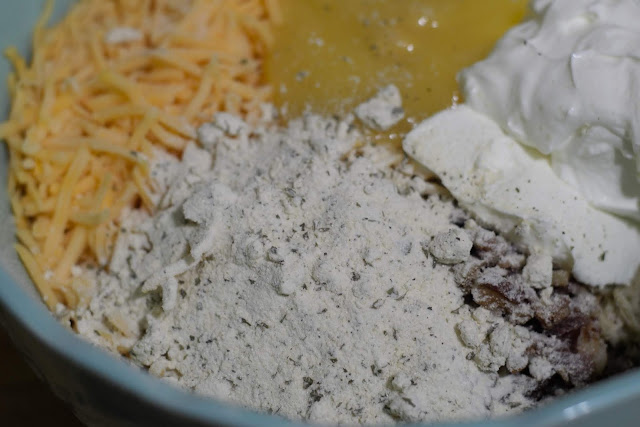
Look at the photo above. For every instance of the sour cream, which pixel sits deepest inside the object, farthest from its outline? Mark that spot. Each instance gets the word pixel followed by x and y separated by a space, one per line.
pixel 567 83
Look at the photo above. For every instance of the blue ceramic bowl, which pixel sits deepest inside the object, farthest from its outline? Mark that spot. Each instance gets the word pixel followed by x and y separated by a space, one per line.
pixel 105 390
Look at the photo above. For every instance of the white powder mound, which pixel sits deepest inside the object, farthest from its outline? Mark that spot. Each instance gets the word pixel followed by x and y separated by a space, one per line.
pixel 290 272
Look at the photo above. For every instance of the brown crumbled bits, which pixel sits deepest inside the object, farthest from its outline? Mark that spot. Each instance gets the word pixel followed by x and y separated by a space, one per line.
pixel 559 278
pixel 526 317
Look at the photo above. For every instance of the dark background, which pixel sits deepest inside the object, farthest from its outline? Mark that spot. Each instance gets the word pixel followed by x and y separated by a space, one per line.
pixel 24 399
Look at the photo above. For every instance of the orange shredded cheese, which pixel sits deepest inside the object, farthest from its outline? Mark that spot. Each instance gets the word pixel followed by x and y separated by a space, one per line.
pixel 89 108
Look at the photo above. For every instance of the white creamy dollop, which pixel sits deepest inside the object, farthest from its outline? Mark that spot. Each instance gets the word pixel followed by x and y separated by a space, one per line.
pixel 510 188
pixel 566 82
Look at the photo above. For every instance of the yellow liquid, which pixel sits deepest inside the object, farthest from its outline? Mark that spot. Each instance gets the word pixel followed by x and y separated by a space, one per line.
pixel 330 55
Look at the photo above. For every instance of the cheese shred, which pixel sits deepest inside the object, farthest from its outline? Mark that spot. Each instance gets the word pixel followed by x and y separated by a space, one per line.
pixel 89 109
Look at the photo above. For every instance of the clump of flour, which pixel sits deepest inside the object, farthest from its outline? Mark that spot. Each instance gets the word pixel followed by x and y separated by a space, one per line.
pixel 382 111
pixel 291 270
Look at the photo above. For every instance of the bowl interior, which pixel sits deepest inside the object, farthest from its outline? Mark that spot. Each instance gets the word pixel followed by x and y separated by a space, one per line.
pixel 614 400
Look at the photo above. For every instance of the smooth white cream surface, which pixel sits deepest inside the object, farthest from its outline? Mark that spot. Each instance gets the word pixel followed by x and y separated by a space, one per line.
pixel 511 188
pixel 567 83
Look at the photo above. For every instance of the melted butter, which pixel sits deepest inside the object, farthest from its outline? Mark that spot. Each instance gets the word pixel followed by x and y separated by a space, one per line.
pixel 330 55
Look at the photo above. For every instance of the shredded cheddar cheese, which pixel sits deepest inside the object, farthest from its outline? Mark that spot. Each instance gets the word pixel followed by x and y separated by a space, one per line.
pixel 113 80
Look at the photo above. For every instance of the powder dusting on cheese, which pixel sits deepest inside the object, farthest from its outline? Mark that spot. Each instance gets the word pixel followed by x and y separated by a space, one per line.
pixel 104 87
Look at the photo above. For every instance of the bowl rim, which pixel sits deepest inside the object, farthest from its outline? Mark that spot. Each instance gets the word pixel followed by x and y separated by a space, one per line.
pixel 34 316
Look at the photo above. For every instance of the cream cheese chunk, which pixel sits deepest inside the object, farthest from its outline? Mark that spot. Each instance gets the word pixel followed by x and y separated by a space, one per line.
pixel 514 190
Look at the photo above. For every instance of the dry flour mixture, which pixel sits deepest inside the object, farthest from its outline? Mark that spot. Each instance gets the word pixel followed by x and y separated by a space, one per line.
pixel 303 272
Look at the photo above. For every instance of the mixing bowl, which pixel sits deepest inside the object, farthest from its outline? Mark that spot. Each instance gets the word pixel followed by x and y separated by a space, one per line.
pixel 104 390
